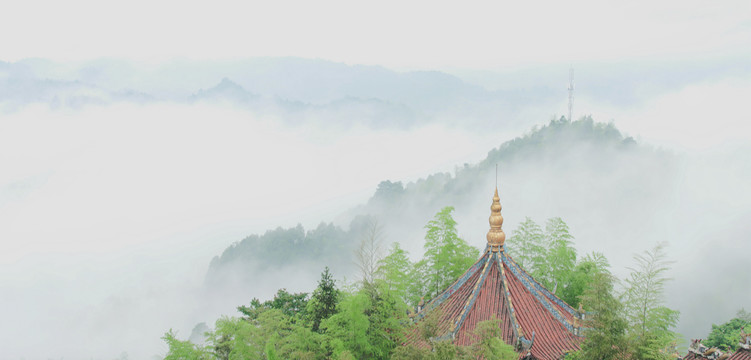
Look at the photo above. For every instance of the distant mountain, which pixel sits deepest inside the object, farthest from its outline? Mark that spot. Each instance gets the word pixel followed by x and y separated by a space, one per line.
pixel 34 82
pixel 225 90
pixel 535 180
pixel 340 113
pixel 297 90
pixel 515 98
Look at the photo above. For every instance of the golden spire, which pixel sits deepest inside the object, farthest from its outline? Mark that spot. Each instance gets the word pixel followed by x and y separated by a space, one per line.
pixel 496 236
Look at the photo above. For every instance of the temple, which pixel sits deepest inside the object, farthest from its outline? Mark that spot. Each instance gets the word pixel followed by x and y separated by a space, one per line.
pixel 697 351
pixel 536 322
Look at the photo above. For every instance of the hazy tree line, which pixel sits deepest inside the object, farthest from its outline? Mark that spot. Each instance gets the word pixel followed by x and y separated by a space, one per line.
pixel 626 319
pixel 395 202
pixel 364 320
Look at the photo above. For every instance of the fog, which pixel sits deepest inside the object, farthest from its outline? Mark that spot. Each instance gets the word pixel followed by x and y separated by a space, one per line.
pixel 139 140
pixel 111 214
pixel 111 210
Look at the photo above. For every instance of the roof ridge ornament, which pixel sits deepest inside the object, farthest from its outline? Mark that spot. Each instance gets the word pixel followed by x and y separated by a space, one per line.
pixel 496 237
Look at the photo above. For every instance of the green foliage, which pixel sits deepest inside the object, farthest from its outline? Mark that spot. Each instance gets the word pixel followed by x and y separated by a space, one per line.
pixel 236 338
pixel 582 277
pixel 277 248
pixel 271 334
pixel 292 305
pixel 323 302
pixel 650 321
pixel 574 355
pixel 368 324
pixel 605 327
pixel 561 255
pixel 728 335
pixel 439 350
pixel 429 326
pixel 445 350
pixel 527 244
pixel 271 350
pixel 399 275
pixel 348 328
pixel 387 316
pixel 446 256
pixel 183 349
pixel 554 133
pixel 489 344
pixel 410 352
pixel 548 256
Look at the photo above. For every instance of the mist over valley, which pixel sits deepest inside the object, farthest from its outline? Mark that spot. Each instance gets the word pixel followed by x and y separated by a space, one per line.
pixel 137 198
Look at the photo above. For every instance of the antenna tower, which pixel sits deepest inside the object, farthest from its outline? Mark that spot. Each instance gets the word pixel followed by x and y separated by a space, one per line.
pixel 571 94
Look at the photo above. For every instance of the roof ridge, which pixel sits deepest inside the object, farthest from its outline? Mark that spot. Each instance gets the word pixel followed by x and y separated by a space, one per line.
pixel 436 301
pixel 518 331
pixel 545 291
pixel 471 301
pixel 534 289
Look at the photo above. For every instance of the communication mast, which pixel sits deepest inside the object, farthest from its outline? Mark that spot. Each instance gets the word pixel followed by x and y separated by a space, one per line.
pixel 571 94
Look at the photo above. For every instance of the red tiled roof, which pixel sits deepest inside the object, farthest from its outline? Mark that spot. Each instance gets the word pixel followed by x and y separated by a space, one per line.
pixel 741 354
pixel 693 356
pixel 552 339
pixel 497 287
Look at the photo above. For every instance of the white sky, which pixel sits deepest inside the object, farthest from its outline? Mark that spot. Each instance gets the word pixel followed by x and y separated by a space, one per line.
pixel 399 34
pixel 169 168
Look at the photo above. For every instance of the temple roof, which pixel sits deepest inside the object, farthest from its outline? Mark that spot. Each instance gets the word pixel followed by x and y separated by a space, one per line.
pixel 741 354
pixel 744 351
pixel 697 351
pixel 532 319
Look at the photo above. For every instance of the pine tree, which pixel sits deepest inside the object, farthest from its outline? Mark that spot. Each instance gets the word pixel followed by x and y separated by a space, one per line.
pixel 322 303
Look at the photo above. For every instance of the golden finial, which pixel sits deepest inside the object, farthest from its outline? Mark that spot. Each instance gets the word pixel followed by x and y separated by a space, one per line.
pixel 496 236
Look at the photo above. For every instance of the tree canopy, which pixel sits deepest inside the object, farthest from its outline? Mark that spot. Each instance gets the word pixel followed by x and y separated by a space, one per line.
pixel 368 320
pixel 727 335
pixel 446 256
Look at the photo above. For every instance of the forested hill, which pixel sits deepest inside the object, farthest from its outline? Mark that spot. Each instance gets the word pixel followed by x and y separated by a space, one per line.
pixel 586 172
